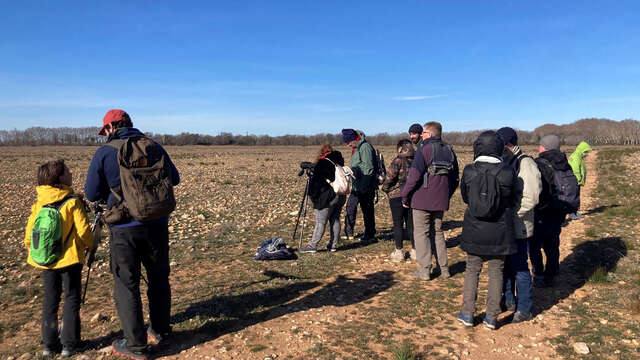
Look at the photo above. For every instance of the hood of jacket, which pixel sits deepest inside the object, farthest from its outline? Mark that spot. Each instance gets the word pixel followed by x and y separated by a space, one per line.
pixel 582 148
pixel 557 159
pixel 50 194
pixel 124 133
pixel 488 144
pixel 362 138
pixel 407 151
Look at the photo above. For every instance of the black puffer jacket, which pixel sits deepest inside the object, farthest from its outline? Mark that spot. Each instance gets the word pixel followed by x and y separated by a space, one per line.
pixel 489 237
pixel 320 192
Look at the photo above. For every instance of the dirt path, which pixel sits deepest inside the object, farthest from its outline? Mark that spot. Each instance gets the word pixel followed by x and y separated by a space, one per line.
pixel 293 333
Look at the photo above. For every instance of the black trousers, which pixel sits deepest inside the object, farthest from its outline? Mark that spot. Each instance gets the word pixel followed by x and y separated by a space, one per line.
pixel 132 247
pixel 69 278
pixel 366 204
pixel 401 216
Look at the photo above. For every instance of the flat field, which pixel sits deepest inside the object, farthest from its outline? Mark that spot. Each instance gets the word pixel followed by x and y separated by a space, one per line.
pixel 351 304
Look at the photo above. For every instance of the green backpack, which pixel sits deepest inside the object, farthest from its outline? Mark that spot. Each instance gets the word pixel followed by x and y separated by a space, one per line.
pixel 46 236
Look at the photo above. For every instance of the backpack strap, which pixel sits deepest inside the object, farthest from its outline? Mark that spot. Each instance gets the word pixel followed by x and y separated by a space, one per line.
pixel 117 190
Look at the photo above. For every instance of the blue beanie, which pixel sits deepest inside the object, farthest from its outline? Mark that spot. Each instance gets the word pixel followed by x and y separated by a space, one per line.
pixel 349 135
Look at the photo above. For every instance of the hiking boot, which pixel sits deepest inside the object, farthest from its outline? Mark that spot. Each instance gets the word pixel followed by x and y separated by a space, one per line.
pixel 422 274
pixel 155 338
pixel 490 323
pixel 331 248
pixel 575 216
pixel 445 273
pixel 368 240
pixel 521 316
pixel 466 320
pixel 120 349
pixel 346 236
pixel 412 254
pixel 397 255
pixel 308 249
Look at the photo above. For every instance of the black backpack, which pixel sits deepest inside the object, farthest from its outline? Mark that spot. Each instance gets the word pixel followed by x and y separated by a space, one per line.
pixel 560 190
pixel 379 169
pixel 484 199
pixel 442 159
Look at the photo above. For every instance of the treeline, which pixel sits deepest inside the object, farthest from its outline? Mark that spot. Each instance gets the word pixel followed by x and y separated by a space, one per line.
pixel 594 131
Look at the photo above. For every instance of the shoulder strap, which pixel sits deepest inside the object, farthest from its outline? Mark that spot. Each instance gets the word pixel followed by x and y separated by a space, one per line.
pixel 116 143
pixel 326 158
pixel 58 204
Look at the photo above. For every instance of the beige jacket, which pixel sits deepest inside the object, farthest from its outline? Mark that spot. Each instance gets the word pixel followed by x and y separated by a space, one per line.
pixel 528 188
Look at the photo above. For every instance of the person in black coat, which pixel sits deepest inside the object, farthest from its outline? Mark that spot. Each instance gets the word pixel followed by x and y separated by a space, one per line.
pixel 488 239
pixel 326 203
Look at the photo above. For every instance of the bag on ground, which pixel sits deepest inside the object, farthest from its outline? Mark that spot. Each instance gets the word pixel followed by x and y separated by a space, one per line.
pixel 274 249
pixel 46 237
pixel 484 193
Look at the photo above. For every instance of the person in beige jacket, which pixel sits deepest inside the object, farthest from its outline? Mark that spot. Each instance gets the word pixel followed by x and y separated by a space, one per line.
pixel 517 278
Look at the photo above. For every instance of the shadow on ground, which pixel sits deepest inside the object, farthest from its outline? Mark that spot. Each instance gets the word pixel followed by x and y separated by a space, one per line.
pixel 231 313
pixel 577 268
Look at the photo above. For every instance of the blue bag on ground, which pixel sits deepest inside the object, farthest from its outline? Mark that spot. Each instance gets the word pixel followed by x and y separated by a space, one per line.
pixel 274 249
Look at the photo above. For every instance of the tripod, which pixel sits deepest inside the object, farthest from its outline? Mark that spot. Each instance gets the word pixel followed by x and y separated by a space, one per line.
pixel 302 211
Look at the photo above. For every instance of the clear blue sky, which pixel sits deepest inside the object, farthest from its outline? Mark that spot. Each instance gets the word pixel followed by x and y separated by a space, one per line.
pixel 304 67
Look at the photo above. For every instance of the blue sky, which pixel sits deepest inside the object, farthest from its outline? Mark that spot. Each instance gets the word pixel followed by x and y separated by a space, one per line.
pixel 305 67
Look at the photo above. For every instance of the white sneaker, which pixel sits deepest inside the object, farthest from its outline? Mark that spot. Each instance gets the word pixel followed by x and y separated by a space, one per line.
pixel 412 254
pixel 397 255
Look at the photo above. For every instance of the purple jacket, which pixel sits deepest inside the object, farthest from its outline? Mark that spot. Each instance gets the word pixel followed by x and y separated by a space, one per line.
pixel 440 188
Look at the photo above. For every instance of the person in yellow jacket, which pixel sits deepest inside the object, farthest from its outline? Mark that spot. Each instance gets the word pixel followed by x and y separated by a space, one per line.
pixel 577 163
pixel 54 186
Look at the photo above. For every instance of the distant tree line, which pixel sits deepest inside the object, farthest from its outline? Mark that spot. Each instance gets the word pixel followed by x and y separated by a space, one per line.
pixel 594 131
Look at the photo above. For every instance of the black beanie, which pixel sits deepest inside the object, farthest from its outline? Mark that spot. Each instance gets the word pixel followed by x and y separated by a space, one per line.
pixel 508 135
pixel 415 128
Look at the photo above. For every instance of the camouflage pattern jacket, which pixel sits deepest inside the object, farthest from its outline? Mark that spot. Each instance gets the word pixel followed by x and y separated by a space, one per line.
pixel 398 171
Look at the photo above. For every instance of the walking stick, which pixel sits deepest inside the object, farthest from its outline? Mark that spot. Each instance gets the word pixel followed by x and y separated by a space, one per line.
pixel 96 229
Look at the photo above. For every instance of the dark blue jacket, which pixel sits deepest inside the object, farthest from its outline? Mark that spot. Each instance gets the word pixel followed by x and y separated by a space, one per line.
pixel 105 173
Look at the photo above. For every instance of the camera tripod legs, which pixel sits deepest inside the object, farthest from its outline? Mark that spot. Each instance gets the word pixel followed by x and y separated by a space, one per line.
pixel 302 211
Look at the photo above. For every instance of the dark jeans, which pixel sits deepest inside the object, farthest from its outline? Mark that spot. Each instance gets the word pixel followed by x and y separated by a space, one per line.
pixel 546 235
pixel 69 278
pixel 366 204
pixel 400 216
pixel 517 278
pixel 130 247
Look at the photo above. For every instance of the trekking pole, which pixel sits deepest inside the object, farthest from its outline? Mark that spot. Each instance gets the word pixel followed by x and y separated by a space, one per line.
pixel 96 230
pixel 304 215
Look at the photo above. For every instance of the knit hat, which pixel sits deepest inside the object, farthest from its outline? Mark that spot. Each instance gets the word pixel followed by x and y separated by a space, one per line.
pixel 415 129
pixel 550 142
pixel 508 135
pixel 349 135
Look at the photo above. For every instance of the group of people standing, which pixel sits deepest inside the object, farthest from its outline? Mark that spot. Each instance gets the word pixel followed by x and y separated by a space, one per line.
pixel 516 206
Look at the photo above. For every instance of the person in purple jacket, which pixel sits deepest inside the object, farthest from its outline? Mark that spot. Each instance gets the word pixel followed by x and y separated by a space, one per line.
pixel 433 178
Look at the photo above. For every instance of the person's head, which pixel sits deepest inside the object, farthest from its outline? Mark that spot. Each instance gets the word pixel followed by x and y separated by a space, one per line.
pixel 415 132
pixel 549 142
pixel 324 149
pixel 488 143
pixel 431 129
pixel 349 137
pixel 509 137
pixel 54 173
pixel 404 144
pixel 113 120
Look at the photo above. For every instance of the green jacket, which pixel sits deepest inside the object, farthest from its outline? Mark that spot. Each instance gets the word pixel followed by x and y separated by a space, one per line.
pixel 576 160
pixel 362 165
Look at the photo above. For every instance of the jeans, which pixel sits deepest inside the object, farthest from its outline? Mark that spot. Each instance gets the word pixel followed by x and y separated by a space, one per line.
pixel 546 235
pixel 69 278
pixel 470 293
pixel 517 278
pixel 130 247
pixel 366 204
pixel 329 214
pixel 423 223
pixel 400 216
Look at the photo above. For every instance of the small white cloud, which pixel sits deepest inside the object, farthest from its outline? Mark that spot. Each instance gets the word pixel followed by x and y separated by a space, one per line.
pixel 418 97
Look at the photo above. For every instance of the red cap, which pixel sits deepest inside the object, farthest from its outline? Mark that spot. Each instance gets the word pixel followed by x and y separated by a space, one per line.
pixel 111 116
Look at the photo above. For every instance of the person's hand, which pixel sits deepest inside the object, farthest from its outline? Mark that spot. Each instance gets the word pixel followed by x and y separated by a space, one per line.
pixel 405 206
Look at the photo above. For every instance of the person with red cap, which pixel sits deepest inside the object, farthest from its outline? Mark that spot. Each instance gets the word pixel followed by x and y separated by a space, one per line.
pixel 132 242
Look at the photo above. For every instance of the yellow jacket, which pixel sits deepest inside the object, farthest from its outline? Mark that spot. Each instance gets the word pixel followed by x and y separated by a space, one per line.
pixel 72 213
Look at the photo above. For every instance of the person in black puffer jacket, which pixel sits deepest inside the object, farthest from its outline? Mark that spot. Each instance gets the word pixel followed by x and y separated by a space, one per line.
pixel 327 204
pixel 488 239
